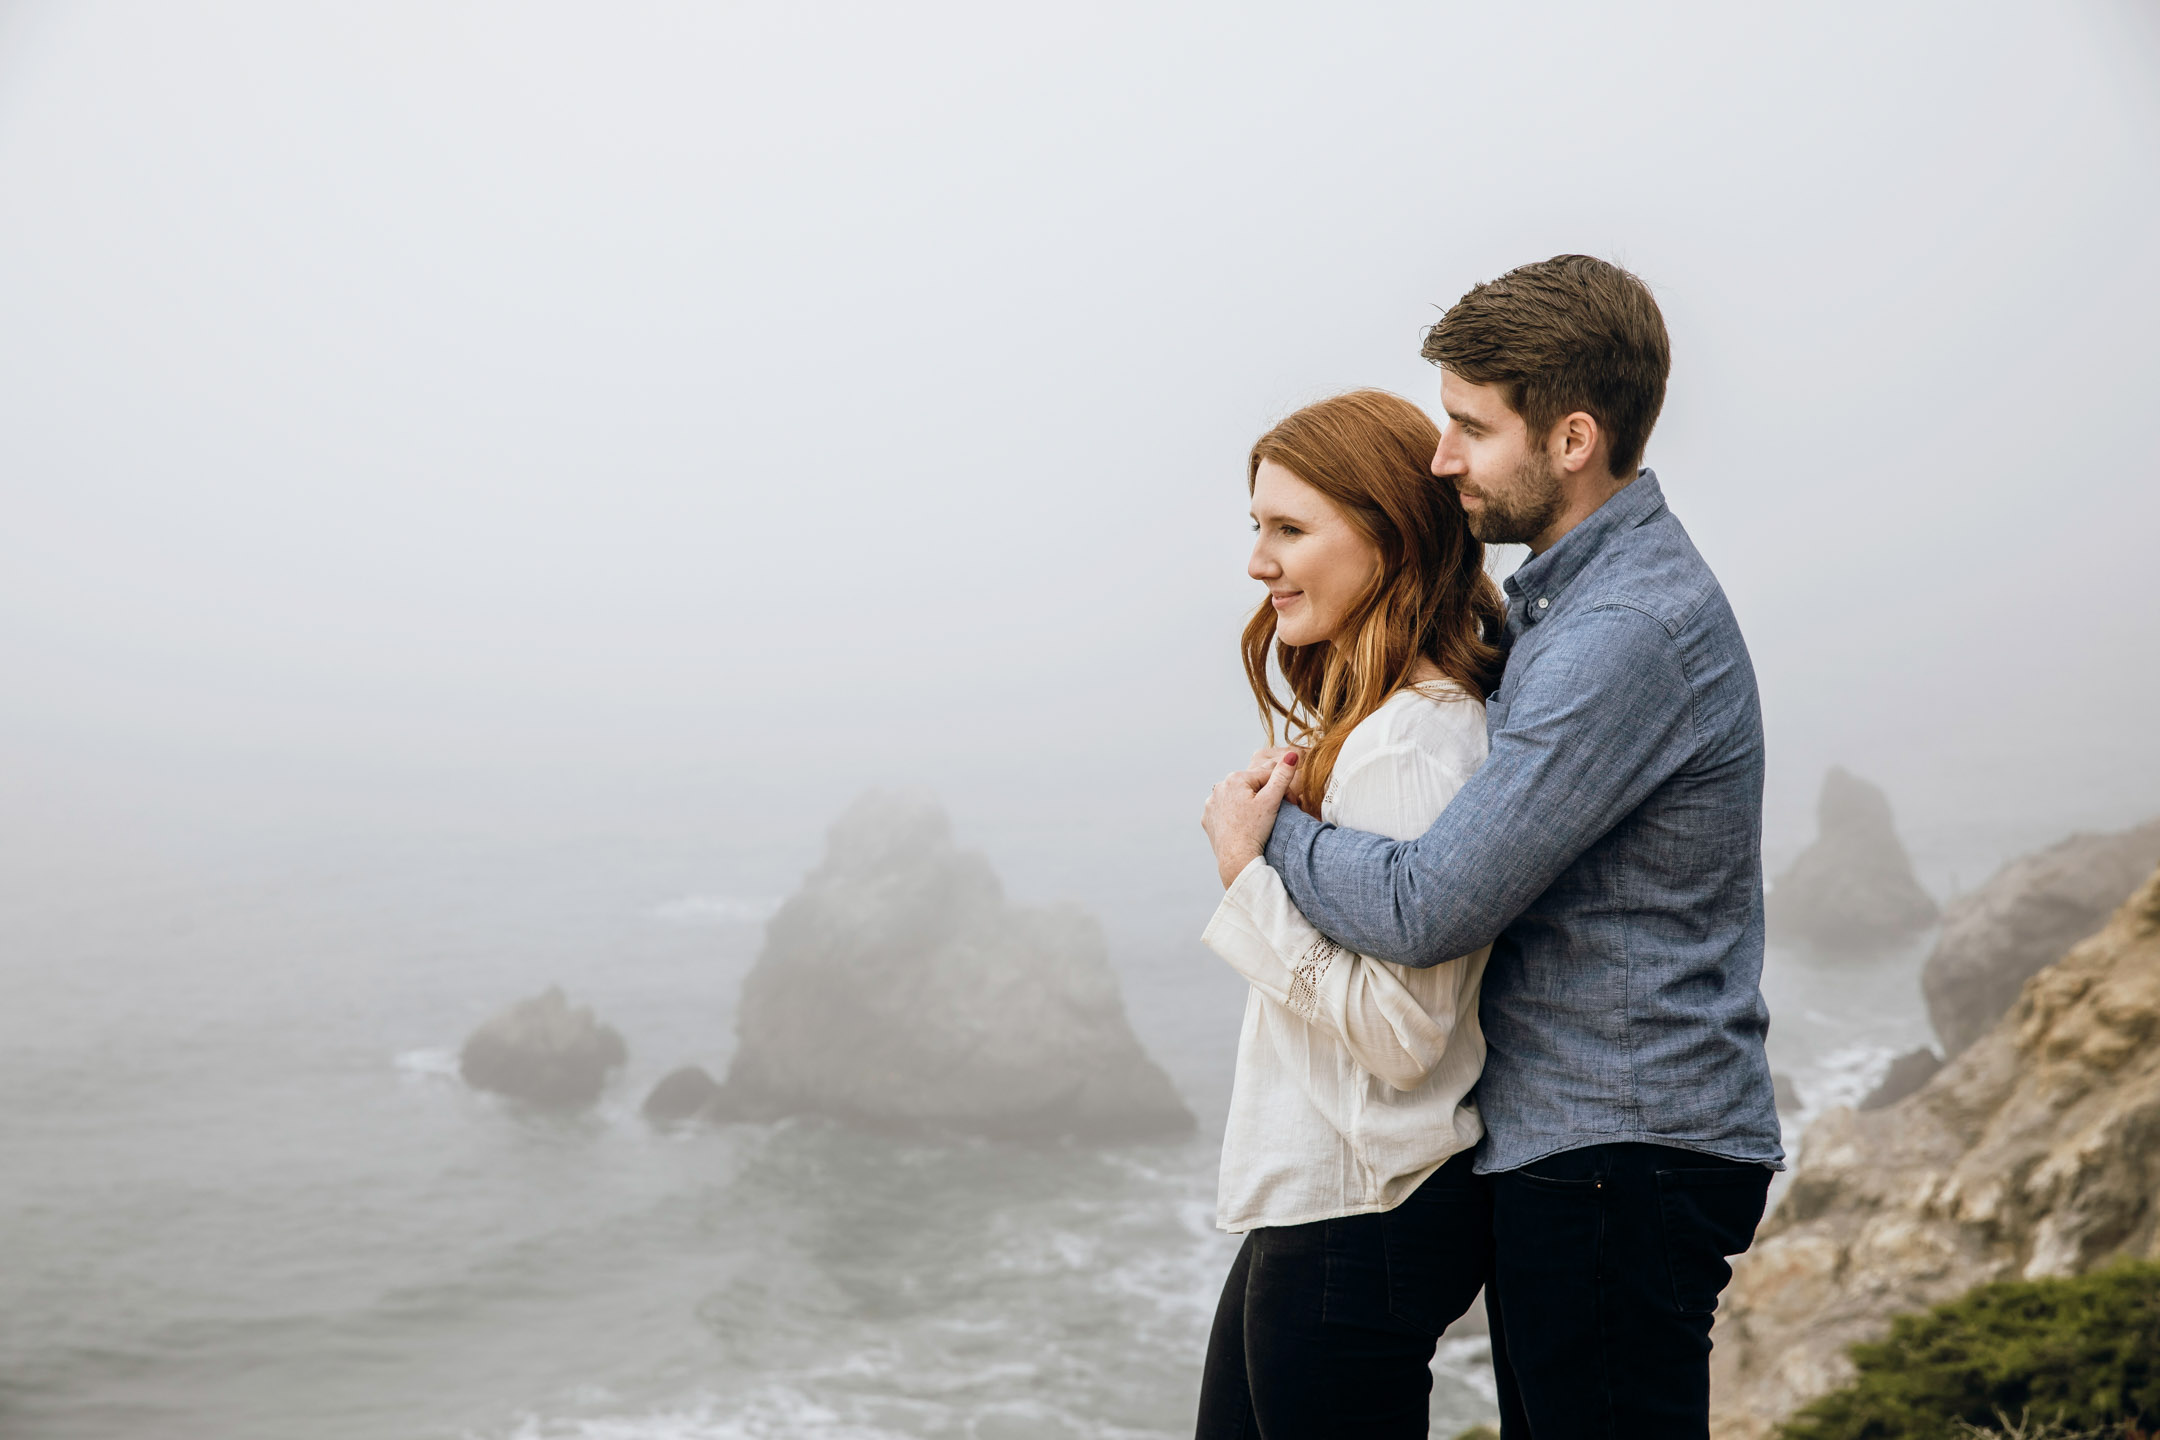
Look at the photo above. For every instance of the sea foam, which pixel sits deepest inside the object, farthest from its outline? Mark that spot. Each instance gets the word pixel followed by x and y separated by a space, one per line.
pixel 715 910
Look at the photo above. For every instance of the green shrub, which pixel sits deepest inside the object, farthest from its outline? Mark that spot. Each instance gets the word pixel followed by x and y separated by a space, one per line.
pixel 2071 1355
pixel 2027 1428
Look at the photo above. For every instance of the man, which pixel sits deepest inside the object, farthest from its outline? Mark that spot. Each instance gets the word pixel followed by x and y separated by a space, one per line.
pixel 1609 850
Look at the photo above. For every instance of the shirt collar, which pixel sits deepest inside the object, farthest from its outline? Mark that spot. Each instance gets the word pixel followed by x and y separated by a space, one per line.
pixel 1538 581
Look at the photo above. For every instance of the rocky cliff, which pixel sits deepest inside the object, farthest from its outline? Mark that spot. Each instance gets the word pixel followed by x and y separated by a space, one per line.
pixel 2034 1152
pixel 2024 917
pixel 900 989
pixel 1855 885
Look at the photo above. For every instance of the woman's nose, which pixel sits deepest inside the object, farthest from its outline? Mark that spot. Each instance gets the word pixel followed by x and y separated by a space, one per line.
pixel 1262 566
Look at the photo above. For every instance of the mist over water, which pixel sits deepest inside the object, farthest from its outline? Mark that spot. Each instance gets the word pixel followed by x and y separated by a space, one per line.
pixel 485 486
pixel 260 1203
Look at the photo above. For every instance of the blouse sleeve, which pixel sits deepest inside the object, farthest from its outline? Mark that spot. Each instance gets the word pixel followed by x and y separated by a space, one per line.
pixel 1391 1033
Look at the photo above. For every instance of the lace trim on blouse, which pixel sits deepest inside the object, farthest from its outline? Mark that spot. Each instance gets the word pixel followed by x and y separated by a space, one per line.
pixel 1305 980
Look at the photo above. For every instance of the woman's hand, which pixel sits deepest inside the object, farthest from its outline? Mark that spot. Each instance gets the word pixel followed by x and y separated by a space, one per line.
pixel 1265 760
pixel 1240 814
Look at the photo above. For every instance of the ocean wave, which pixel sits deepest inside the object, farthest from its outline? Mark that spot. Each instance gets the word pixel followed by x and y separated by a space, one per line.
pixel 1844 1076
pixel 782 1411
pixel 776 1413
pixel 715 910
pixel 1470 1361
pixel 433 1063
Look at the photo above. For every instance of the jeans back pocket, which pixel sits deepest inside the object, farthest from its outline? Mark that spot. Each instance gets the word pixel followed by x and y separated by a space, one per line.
pixel 1709 1213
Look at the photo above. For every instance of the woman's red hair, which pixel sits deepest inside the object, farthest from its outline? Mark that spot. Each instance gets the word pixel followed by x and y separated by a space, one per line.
pixel 1370 453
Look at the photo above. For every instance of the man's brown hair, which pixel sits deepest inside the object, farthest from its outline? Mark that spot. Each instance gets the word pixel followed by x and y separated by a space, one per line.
pixel 1566 334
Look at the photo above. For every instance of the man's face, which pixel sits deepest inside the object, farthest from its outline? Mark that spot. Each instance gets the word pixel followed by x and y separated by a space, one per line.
pixel 1511 490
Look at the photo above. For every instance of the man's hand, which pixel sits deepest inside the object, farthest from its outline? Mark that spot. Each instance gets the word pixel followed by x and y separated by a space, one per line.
pixel 1240 814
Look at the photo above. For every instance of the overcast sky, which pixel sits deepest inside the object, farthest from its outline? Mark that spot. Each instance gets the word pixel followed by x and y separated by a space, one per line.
pixel 627 407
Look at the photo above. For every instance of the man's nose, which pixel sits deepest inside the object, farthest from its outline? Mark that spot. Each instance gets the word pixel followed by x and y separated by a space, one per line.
pixel 1446 461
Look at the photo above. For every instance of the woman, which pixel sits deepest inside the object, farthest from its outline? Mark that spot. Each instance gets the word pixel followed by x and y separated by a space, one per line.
pixel 1346 1160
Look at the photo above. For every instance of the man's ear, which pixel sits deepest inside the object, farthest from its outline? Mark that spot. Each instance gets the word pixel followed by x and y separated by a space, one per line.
pixel 1575 442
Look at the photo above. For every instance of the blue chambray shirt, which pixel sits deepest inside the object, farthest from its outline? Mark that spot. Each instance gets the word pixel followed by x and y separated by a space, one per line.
pixel 1610 851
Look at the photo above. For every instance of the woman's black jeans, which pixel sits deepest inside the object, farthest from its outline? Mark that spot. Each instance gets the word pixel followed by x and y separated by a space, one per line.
pixel 1328 1329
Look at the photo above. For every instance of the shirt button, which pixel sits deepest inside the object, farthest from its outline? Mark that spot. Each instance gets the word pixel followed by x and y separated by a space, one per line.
pixel 1541 604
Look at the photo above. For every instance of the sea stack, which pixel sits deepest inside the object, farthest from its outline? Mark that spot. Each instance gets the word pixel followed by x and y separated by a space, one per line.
pixel 682 1094
pixel 1854 888
pixel 900 990
pixel 543 1051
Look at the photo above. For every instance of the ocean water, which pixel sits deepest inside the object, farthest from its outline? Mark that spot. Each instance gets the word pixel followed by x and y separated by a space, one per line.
pixel 243 1194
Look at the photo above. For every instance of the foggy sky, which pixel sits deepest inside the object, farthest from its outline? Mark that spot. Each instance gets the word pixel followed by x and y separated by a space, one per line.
pixel 622 410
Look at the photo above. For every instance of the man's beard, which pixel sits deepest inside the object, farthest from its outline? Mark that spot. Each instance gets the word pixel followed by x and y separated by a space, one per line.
pixel 1523 511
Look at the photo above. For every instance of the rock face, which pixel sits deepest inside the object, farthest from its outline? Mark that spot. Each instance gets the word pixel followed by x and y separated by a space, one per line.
pixel 1855 885
pixel 543 1051
pixel 2036 1152
pixel 899 990
pixel 2033 910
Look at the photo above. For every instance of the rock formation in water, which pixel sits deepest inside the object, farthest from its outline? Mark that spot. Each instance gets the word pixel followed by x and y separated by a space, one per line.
pixel 2033 910
pixel 1855 885
pixel 543 1051
pixel 682 1094
pixel 1906 1075
pixel 899 989
pixel 2035 1152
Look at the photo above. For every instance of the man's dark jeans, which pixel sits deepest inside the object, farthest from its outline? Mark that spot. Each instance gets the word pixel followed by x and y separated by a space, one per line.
pixel 1608 1261
pixel 1326 1331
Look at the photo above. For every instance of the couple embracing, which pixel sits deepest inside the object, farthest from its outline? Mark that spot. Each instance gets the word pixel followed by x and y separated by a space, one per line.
pixel 1505 940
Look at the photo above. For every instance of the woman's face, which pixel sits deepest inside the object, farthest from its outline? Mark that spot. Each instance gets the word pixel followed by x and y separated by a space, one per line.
pixel 1314 562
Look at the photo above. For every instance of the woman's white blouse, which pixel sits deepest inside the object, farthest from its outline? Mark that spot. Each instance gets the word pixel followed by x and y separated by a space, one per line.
pixel 1353 1074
